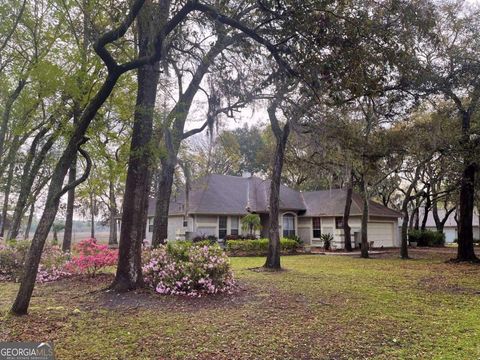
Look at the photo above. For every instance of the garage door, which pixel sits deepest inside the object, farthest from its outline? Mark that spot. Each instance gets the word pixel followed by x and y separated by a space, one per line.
pixel 381 234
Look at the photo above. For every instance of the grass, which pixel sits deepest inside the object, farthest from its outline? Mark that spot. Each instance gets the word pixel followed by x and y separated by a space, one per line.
pixel 322 307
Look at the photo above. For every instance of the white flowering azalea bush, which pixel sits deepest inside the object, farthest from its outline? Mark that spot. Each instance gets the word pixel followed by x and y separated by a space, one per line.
pixel 183 268
pixel 12 257
pixel 52 264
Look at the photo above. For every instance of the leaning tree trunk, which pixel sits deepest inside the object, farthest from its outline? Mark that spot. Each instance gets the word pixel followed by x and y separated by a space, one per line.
pixel 417 219
pixel 129 269
pixel 6 199
pixel 174 134
pixel 22 301
pixel 346 216
pixel 77 138
pixel 7 111
pixel 55 191
pixel 408 198
pixel 438 223
pixel 30 171
pixel 364 250
pixel 428 205
pixel 465 229
pixel 273 255
pixel 411 222
pixel 68 232
pixel 29 221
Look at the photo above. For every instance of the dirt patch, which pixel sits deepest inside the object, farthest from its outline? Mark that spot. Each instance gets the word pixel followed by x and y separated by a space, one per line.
pixel 148 299
pixel 442 284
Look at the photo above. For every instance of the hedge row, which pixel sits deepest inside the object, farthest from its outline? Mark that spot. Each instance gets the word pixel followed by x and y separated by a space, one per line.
pixel 259 247
pixel 426 237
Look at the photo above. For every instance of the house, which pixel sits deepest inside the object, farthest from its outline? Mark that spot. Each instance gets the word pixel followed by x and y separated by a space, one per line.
pixel 450 228
pixel 216 204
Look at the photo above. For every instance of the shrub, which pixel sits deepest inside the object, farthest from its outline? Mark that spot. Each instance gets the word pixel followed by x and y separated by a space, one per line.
pixel 259 247
pixel 327 239
pixel 12 258
pixel 210 239
pixel 426 237
pixel 92 257
pixel 295 238
pixel 183 268
pixel 240 237
pixel 53 265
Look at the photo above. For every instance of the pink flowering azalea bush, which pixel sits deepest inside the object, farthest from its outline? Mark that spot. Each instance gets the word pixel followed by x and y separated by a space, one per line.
pixel 184 269
pixel 91 257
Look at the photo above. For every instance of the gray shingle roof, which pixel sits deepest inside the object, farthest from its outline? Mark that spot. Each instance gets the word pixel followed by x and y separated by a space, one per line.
pixel 223 194
pixel 332 203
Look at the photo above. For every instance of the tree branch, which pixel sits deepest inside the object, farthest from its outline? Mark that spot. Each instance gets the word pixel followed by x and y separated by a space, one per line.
pixel 85 175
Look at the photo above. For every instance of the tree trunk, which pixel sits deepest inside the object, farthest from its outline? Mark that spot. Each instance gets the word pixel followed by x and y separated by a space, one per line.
pixel 7 111
pixel 77 138
pixel 465 229
pixel 346 216
pixel 412 219
pixel 30 171
pixel 365 246
pixel 436 218
pixel 22 301
pixel 417 218
pixel 29 222
pixel 92 215
pixel 404 244
pixel 129 269
pixel 6 199
pixel 164 191
pixel 273 255
pixel 427 208
pixel 174 136
pixel 408 198
pixel 68 232
pixel 112 236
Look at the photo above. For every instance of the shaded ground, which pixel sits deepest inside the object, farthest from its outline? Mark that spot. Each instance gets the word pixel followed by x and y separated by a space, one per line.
pixel 323 307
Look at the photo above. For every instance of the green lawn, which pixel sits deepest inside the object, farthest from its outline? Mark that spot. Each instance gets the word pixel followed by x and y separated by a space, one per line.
pixel 321 307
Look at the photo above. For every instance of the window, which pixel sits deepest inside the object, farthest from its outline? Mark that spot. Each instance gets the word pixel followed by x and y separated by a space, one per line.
pixel 150 224
pixel 288 225
pixel 234 227
pixel 316 225
pixel 185 222
pixel 339 222
pixel 222 227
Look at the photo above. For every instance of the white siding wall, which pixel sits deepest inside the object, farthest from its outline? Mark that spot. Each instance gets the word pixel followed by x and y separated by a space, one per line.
pixel 205 225
pixel 379 231
pixel 385 236
pixel 305 231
